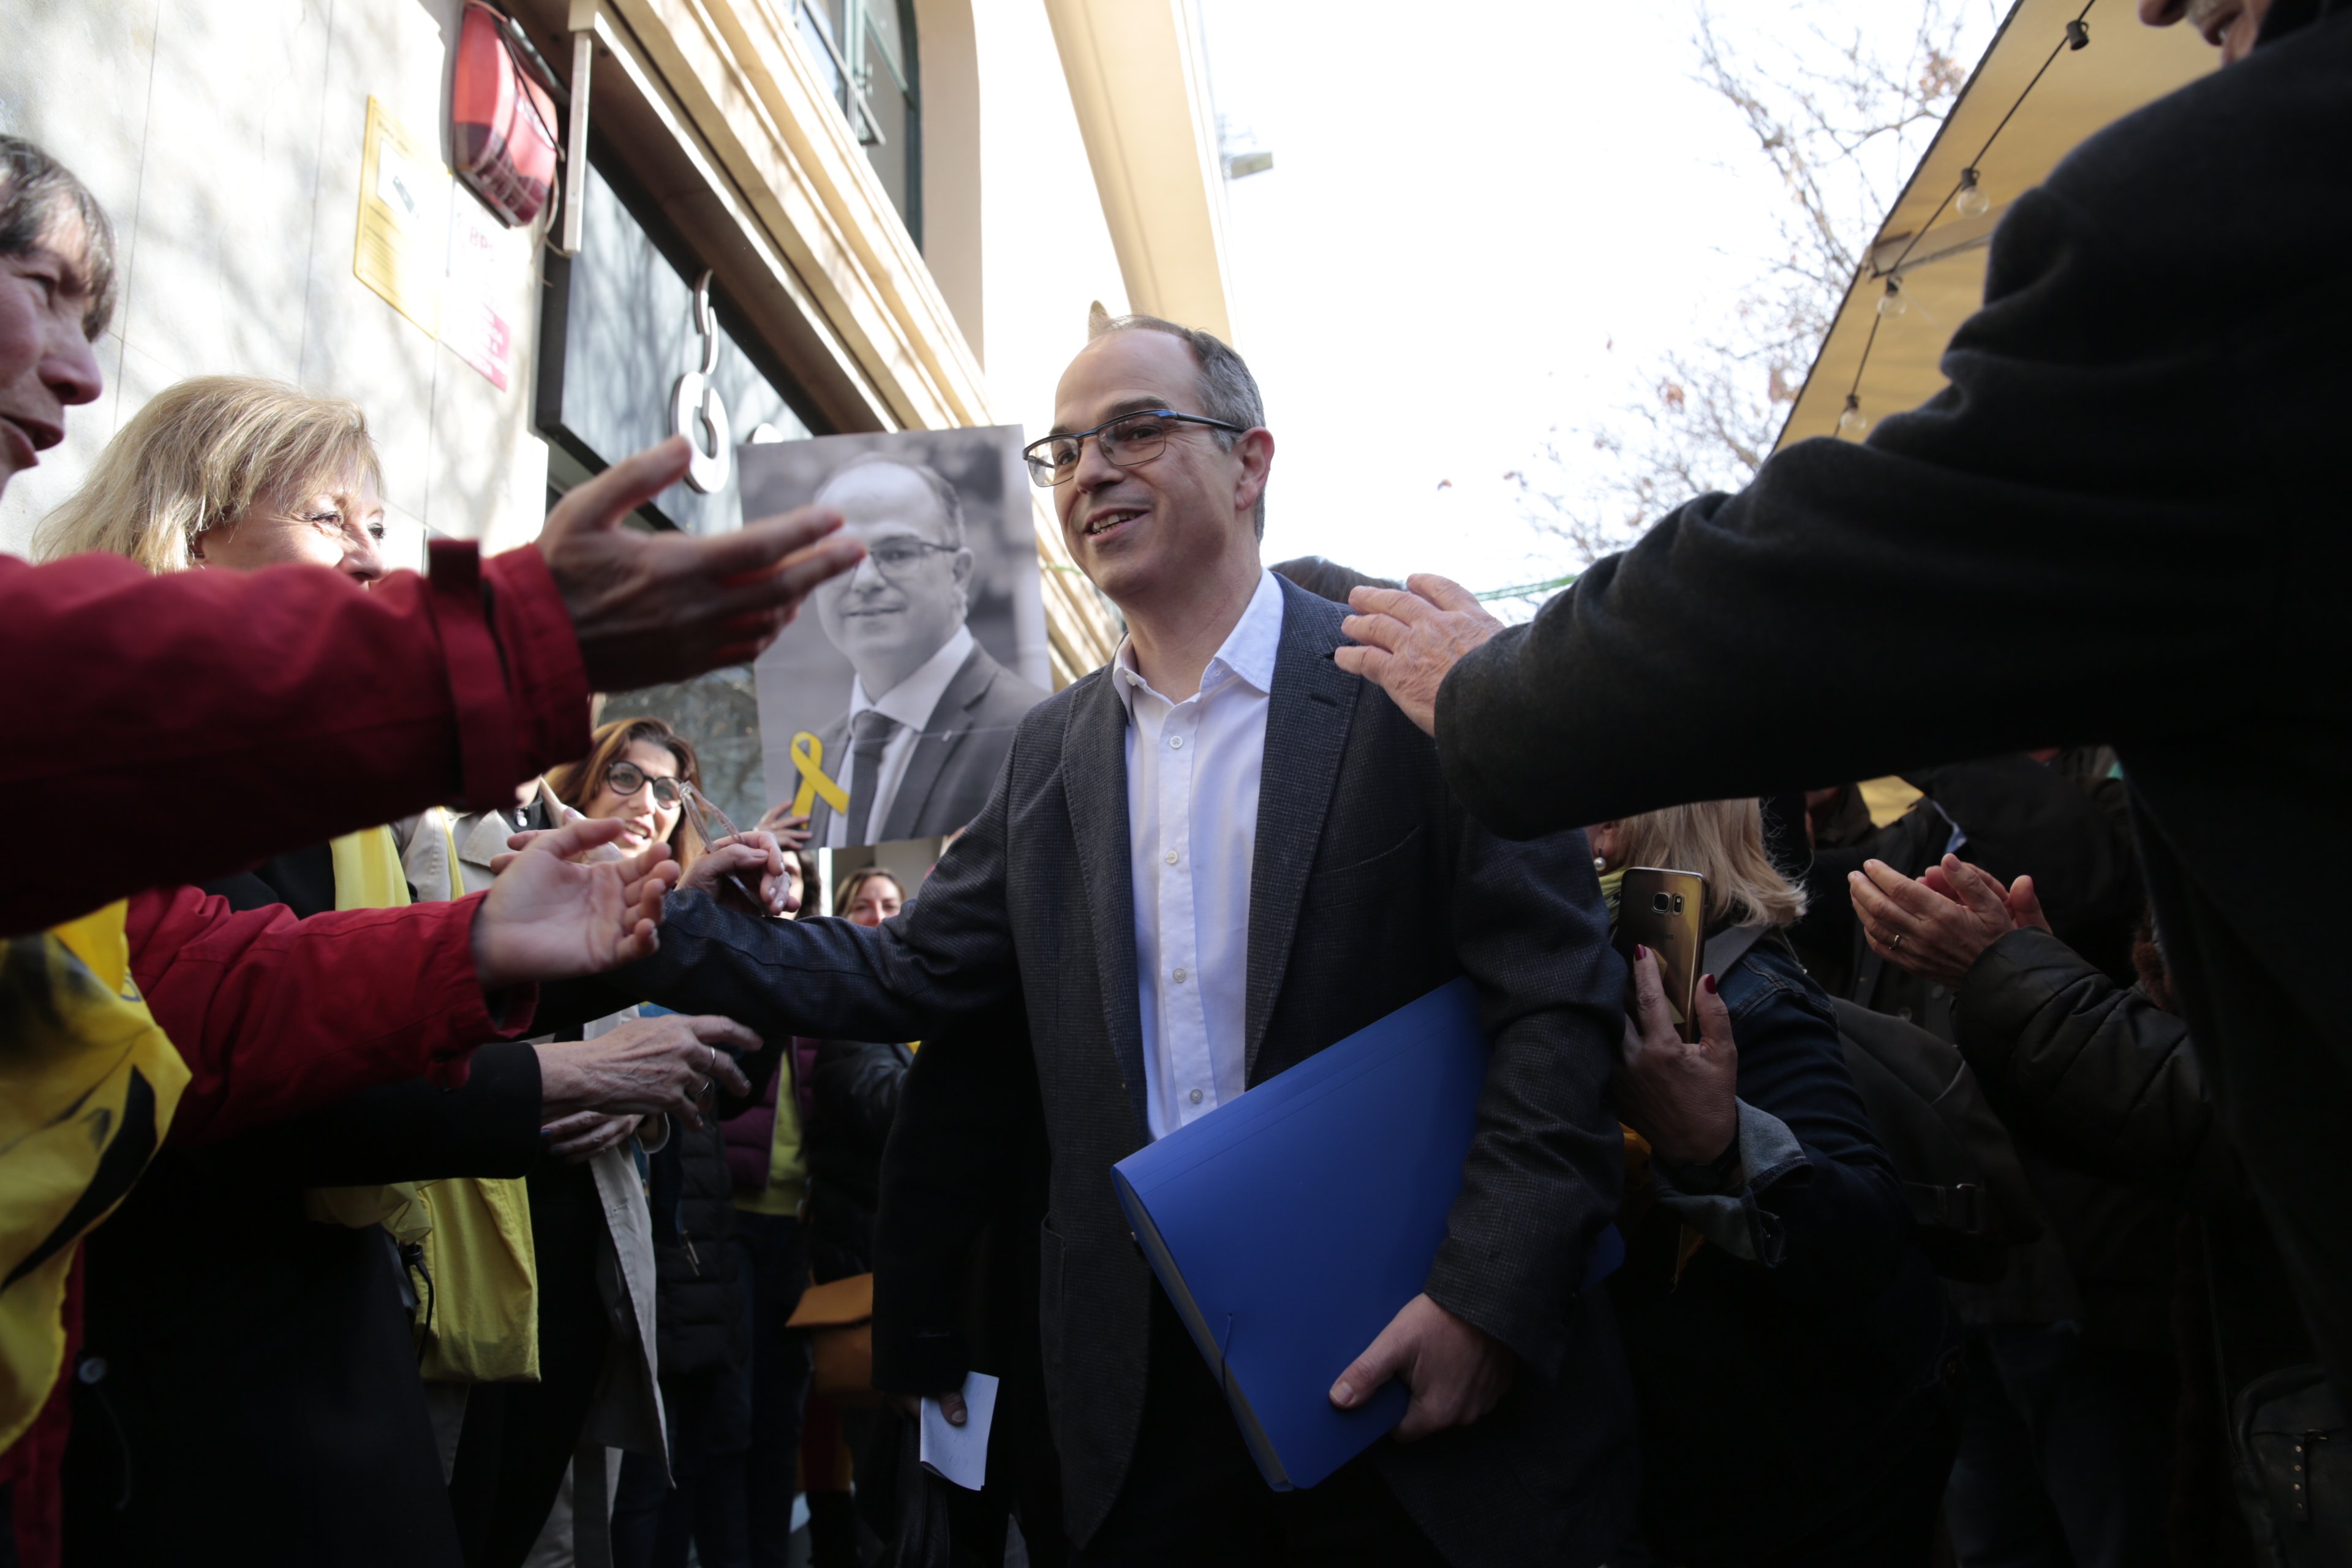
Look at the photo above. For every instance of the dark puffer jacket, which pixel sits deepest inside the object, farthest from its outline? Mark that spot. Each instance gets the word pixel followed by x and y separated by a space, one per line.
pixel 2098 1075
pixel 698 1312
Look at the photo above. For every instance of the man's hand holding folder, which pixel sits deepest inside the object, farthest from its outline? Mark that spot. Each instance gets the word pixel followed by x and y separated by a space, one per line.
pixel 1457 1373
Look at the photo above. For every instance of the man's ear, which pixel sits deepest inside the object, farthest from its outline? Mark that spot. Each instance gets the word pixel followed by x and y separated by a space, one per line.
pixel 1254 449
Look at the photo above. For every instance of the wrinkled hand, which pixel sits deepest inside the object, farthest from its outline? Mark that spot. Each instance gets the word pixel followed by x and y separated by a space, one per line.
pixel 791 828
pixel 578 1138
pixel 669 1066
pixel 1681 1095
pixel 548 918
pixel 1411 638
pixel 747 860
pixel 655 607
pixel 1940 926
pixel 1457 1373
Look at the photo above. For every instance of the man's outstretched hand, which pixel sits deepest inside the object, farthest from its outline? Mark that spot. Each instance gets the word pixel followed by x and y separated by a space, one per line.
pixel 1409 639
pixel 653 608
pixel 1456 1372
pixel 549 917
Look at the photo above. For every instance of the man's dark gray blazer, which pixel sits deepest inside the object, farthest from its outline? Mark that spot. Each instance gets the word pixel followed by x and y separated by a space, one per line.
pixel 956 757
pixel 1371 887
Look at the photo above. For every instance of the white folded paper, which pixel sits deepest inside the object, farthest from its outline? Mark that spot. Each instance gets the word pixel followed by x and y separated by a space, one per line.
pixel 959 1454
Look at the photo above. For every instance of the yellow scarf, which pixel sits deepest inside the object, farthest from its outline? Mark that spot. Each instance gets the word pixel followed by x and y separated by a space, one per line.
pixel 477 1283
pixel 88 1086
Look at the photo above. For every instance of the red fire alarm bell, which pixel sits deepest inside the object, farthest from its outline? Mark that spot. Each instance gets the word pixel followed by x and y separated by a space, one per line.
pixel 502 122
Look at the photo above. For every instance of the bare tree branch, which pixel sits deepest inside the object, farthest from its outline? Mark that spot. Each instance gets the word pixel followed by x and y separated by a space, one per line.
pixel 1841 118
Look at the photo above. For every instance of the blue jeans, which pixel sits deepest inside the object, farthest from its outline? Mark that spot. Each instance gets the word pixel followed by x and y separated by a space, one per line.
pixel 2065 1452
pixel 775 1270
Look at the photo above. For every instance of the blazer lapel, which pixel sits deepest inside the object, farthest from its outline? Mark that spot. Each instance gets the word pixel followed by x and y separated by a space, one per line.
pixel 934 746
pixel 1307 722
pixel 1094 782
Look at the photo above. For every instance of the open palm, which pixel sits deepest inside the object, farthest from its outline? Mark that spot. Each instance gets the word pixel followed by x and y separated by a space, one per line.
pixel 550 917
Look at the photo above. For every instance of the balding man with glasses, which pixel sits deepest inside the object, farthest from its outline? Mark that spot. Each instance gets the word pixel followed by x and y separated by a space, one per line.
pixel 1199 867
pixel 931 714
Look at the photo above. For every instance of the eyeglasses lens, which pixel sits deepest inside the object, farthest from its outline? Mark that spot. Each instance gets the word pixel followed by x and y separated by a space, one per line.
pixel 1124 445
pixel 627 778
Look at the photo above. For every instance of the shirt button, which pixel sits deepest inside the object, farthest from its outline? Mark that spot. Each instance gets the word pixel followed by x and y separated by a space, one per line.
pixel 1176 742
pixel 1170 857
pixel 1179 977
pixel 1196 1097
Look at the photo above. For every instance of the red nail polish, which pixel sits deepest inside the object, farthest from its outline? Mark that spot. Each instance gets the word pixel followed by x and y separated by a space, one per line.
pixel 1708 981
pixel 1640 951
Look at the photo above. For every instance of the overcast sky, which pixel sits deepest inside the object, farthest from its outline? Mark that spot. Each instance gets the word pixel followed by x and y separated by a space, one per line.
pixel 1481 222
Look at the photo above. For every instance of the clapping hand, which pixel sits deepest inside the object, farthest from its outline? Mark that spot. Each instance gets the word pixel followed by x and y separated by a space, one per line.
pixel 548 916
pixel 734 864
pixel 1939 925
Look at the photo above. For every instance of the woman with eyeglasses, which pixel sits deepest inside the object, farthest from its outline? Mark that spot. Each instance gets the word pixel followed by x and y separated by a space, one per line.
pixel 634 773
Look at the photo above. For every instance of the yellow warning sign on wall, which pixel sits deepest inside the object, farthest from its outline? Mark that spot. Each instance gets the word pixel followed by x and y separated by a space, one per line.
pixel 402 252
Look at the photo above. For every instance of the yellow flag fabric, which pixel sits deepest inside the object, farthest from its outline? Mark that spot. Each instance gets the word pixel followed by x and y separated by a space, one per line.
pixel 88 1086
pixel 479 1307
pixel 478 1289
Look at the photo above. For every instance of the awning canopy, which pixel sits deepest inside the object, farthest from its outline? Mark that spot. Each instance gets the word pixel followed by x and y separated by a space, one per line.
pixel 2125 65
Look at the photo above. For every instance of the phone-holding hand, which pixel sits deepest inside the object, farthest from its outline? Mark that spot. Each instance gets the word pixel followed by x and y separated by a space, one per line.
pixel 548 916
pixel 1681 1095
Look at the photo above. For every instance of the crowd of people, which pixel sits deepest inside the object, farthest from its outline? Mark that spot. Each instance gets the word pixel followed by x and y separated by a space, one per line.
pixel 446 1148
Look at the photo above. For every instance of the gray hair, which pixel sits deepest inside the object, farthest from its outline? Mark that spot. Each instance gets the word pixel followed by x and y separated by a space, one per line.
pixel 36 193
pixel 950 503
pixel 1228 391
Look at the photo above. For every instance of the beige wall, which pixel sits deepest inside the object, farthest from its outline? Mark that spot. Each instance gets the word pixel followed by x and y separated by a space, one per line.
pixel 225 137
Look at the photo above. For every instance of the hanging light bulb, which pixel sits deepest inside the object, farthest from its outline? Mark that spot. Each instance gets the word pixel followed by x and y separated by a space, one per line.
pixel 1972 200
pixel 1893 302
pixel 1853 421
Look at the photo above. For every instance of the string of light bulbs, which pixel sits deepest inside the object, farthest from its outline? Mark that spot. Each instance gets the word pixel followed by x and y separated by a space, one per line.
pixel 1968 198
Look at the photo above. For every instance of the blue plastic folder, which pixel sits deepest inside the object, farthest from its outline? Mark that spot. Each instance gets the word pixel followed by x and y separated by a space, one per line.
pixel 1290 1226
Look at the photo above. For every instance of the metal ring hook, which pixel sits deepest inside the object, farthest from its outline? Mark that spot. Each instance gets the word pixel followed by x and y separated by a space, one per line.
pixel 706 322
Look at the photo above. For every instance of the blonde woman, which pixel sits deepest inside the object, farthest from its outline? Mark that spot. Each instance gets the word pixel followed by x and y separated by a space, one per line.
pixel 1787 1338
pixel 213 1288
pixel 232 472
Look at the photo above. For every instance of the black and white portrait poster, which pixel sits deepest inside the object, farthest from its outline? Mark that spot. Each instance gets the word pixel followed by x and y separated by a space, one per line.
pixel 888 705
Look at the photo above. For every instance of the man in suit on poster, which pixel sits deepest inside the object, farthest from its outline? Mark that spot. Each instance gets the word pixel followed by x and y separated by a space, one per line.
pixel 931 714
pixel 1200 866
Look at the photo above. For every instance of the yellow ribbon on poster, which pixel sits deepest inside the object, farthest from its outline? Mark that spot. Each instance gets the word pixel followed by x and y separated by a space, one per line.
pixel 88 1085
pixel 808 756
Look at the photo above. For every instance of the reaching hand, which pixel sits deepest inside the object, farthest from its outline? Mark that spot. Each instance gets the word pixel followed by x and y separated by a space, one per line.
pixel 1681 1095
pixel 653 607
pixel 578 1138
pixel 746 860
pixel 547 918
pixel 1457 1373
pixel 1411 639
pixel 668 1066
pixel 791 828
pixel 1937 927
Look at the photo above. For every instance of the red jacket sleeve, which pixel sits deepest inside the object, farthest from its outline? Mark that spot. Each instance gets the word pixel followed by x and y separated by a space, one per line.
pixel 208 720
pixel 277 1015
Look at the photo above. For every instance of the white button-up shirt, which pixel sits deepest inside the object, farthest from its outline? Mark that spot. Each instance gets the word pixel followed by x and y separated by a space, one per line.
pixel 1192 772
pixel 911 703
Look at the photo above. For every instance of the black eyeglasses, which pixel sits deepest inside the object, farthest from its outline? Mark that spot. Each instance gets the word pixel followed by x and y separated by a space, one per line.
pixel 1129 439
pixel 626 779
